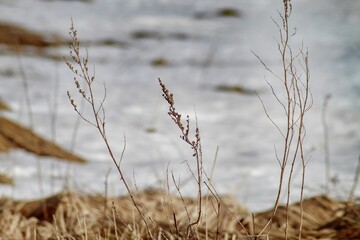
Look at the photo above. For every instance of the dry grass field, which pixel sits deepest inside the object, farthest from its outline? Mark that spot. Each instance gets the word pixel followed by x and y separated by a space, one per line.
pixel 157 213
pixel 76 215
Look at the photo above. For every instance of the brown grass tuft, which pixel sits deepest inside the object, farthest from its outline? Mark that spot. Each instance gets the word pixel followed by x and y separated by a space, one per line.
pixel 13 135
pixel 76 215
pixel 17 36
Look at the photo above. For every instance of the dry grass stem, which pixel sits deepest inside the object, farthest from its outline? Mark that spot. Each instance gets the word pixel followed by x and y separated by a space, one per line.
pixel 195 145
pixel 295 79
pixel 81 71
pixel 326 144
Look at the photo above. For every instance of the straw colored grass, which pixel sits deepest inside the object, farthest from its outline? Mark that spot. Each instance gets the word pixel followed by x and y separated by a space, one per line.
pixel 14 35
pixel 13 135
pixel 75 215
pixel 5 179
pixel 318 211
pixel 3 106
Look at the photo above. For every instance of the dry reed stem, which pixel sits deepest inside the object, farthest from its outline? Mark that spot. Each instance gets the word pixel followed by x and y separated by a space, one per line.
pixel 26 91
pixel 298 101
pixel 195 145
pixel 326 144
pixel 81 71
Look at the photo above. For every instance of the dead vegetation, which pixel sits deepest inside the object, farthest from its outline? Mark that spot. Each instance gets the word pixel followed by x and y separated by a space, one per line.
pixel 306 219
pixel 157 214
pixel 71 215
pixel 4 106
pixel 16 36
pixel 13 135
pixel 75 215
pixel 16 136
pixel 5 179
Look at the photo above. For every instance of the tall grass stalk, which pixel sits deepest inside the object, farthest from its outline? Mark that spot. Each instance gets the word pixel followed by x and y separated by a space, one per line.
pixel 326 143
pixel 295 79
pixel 98 117
pixel 195 145
pixel 53 105
pixel 25 85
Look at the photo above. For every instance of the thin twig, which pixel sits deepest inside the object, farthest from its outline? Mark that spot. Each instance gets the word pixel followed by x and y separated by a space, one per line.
pixel 194 144
pixel 326 143
pixel 98 120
